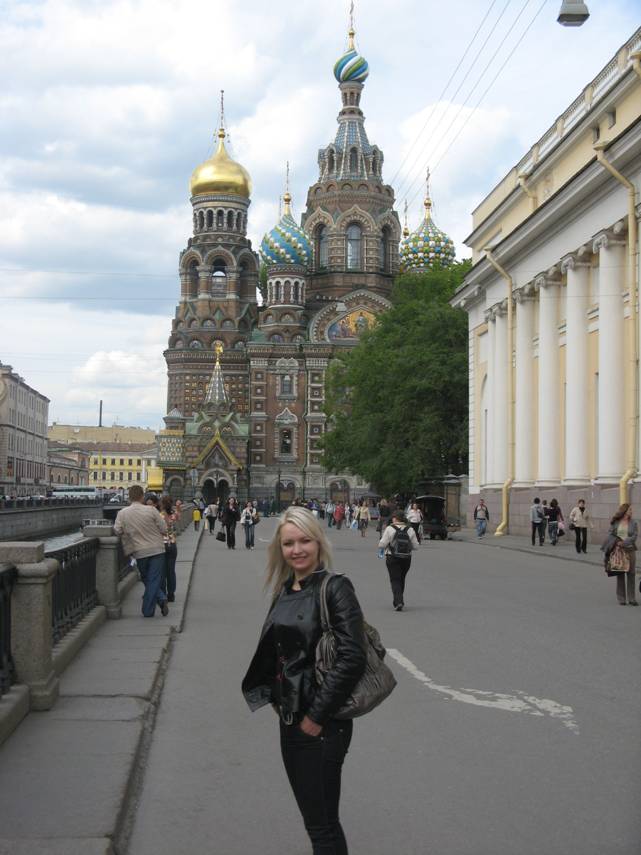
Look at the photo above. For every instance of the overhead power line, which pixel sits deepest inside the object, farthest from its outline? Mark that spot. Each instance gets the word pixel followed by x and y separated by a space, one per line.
pixel 460 62
pixel 492 82
pixel 433 143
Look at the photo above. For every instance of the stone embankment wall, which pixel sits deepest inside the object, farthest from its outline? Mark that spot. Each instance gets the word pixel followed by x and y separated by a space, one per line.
pixel 36 522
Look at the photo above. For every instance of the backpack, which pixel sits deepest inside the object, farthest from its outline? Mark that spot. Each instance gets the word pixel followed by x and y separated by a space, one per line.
pixel 401 545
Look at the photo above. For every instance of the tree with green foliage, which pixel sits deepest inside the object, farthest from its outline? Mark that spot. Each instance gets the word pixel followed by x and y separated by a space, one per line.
pixel 397 402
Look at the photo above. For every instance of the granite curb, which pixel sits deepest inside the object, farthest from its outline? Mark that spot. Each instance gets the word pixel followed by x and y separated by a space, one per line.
pixel 563 551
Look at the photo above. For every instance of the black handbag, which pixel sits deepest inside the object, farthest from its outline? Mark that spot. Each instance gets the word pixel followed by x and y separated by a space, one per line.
pixel 376 684
pixel 221 536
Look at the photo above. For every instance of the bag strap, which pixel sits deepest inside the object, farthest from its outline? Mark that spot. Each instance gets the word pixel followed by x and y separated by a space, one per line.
pixel 324 609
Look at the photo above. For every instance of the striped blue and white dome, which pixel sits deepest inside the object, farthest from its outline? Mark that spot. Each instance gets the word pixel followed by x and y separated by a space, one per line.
pixel 351 67
pixel 286 243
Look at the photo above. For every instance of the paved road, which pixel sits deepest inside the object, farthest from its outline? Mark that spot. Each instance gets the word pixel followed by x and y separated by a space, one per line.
pixel 514 730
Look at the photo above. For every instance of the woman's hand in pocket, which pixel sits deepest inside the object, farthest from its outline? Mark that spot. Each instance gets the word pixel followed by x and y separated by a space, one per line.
pixel 310 727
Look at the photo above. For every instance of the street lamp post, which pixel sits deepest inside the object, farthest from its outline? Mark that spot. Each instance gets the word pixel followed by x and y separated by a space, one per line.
pixel 278 492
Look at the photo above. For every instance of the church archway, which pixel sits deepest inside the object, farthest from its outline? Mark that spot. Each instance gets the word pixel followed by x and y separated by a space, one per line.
pixel 209 491
pixel 222 491
pixel 339 491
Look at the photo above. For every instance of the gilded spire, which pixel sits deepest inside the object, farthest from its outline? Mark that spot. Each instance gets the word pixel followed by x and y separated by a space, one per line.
pixel 287 198
pixel 216 395
pixel 428 198
pixel 351 32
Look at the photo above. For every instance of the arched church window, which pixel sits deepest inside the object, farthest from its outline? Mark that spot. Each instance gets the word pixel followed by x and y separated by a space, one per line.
pixel 384 249
pixel 230 219
pixel 219 274
pixel 286 441
pixel 239 221
pixel 322 246
pixel 331 164
pixel 374 165
pixel 220 219
pixel 201 220
pixel 210 219
pixel 195 221
pixel 287 291
pixel 295 294
pixel 193 278
pixel 353 160
pixel 278 294
pixel 354 242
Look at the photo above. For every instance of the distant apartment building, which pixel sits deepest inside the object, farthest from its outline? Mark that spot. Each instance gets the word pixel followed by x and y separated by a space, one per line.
pixel 23 436
pixel 75 434
pixel 68 465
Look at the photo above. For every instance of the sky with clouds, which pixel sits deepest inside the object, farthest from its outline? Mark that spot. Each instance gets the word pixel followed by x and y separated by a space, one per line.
pixel 106 107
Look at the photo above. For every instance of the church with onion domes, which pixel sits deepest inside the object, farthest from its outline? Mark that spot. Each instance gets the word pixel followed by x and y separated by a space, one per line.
pixel 246 380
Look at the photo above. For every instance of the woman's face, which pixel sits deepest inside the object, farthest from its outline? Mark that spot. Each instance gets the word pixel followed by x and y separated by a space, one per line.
pixel 628 513
pixel 300 551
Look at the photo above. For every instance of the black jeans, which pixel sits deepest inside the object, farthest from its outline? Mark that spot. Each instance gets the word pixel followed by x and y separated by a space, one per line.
pixel 538 527
pixel 231 536
pixel 314 765
pixel 397 569
pixel 171 553
pixel 581 538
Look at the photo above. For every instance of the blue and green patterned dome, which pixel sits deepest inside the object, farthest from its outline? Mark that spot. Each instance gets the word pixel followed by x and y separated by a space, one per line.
pixel 351 67
pixel 427 246
pixel 286 243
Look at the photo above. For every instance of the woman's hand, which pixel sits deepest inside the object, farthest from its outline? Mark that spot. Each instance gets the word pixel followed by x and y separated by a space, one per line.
pixel 310 727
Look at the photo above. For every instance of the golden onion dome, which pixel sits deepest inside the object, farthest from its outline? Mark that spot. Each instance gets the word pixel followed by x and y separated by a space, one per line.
pixel 220 174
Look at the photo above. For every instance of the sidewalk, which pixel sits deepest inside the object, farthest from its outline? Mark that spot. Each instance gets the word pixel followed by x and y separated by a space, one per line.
pixel 65 774
pixel 564 549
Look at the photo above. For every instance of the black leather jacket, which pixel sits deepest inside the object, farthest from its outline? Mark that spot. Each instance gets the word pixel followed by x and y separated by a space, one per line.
pixel 282 669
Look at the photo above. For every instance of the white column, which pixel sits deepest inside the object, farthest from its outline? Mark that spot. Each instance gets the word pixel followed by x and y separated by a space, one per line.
pixel 549 391
pixel 499 438
pixel 612 368
pixel 489 463
pixel 524 425
pixel 577 376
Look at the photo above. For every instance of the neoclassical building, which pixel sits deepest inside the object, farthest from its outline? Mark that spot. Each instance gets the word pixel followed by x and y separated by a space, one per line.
pixel 245 397
pixel 552 301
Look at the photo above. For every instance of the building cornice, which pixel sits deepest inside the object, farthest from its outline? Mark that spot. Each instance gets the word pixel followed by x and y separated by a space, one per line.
pixel 580 193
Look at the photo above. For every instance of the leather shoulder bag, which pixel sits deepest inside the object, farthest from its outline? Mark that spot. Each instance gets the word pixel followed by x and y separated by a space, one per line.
pixel 377 682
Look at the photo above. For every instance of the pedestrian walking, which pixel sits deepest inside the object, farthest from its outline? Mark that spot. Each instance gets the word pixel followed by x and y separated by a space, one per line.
pixel 230 517
pixel 211 513
pixel 196 516
pixel 384 515
pixel 554 518
pixel 330 507
pixel 579 521
pixel 363 516
pixel 168 513
pixel 398 541
pixel 415 518
pixel 620 548
pixel 544 521
pixel 313 742
pixel 248 519
pixel 339 515
pixel 143 531
pixel 481 517
pixel 536 520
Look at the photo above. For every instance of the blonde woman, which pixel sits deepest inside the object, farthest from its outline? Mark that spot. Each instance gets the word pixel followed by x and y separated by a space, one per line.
pixel 313 742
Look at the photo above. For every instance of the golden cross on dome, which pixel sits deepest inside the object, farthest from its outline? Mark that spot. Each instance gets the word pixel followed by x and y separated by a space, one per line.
pixel 218 347
pixel 221 124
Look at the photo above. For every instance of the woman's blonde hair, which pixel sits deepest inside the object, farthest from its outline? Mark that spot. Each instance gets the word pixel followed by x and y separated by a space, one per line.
pixel 278 571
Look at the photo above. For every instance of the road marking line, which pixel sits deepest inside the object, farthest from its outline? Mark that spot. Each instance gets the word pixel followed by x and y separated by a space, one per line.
pixel 519 702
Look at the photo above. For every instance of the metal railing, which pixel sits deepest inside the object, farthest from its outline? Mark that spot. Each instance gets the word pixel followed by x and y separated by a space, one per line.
pixel 74 585
pixel 7 669
pixel 22 503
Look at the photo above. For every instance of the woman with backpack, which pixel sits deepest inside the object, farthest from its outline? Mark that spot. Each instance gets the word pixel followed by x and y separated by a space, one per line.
pixel 398 541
